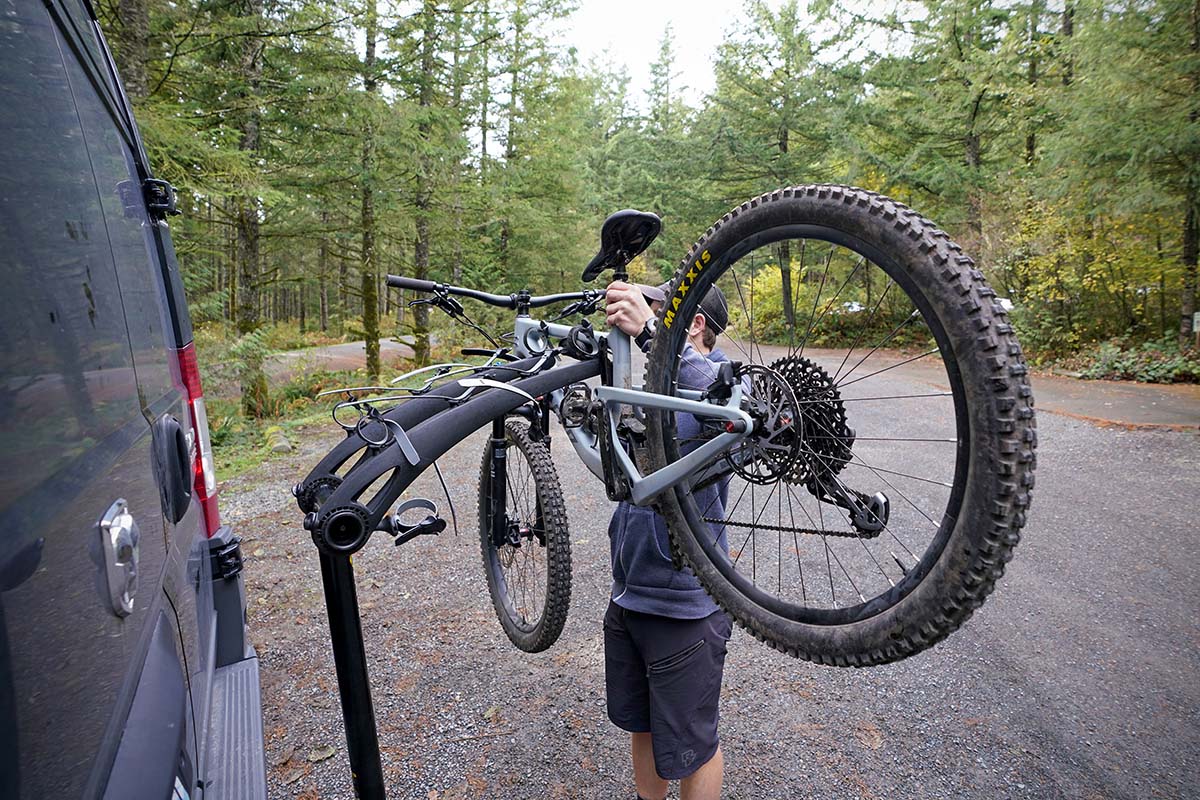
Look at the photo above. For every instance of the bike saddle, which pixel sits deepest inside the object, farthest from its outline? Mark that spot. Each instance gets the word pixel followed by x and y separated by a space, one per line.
pixel 624 235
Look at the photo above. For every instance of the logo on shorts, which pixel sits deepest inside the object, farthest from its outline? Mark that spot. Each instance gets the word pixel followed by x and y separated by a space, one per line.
pixel 687 757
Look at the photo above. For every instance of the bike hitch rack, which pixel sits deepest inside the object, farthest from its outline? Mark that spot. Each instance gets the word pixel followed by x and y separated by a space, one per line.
pixel 340 525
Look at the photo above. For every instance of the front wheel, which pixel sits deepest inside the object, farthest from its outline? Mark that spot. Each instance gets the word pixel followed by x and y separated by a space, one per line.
pixel 886 480
pixel 525 541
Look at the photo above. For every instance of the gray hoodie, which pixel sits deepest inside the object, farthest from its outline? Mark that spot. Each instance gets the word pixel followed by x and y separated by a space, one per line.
pixel 643 577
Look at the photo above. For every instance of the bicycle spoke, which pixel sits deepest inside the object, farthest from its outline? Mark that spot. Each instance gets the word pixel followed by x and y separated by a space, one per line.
pixel 889 439
pixel 779 543
pixel 885 369
pixel 881 397
pixel 825 542
pixel 816 300
pixel 862 330
pixel 796 547
pixel 854 455
pixel 749 316
pixel 884 341
pixel 832 300
pixel 852 463
pixel 790 313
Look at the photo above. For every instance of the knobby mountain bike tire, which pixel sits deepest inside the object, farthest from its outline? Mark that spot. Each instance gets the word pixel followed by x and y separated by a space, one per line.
pixel 883 371
pixel 528 576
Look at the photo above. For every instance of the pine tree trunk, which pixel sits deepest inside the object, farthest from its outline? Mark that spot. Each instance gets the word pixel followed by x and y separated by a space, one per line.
pixel 972 153
pixel 370 314
pixel 343 293
pixel 231 262
pixel 1187 305
pixel 1068 31
pixel 133 46
pixel 457 81
pixel 323 271
pixel 247 260
pixel 1035 13
pixel 400 292
pixel 247 206
pixel 485 97
pixel 510 145
pixel 424 179
pixel 1191 243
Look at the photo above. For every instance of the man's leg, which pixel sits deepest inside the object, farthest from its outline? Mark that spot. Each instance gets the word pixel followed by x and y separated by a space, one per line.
pixel 629 700
pixel 704 783
pixel 649 785
pixel 684 664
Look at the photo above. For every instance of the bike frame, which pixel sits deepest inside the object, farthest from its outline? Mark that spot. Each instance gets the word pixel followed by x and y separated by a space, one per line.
pixel 532 333
pixel 419 431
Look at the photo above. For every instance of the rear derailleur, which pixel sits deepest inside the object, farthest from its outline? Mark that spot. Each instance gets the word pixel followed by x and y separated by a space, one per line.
pixel 868 514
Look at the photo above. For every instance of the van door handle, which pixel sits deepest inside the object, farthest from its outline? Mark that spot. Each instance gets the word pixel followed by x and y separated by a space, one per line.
pixel 173 465
pixel 119 546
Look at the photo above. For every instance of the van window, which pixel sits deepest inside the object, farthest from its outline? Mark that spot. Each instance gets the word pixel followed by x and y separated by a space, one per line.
pixel 68 381
pixel 130 235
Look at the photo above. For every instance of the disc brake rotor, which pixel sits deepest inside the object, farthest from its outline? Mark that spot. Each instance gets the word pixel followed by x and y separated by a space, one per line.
pixel 773 449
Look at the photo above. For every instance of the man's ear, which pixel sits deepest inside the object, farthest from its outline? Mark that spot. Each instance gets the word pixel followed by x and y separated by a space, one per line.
pixel 699 323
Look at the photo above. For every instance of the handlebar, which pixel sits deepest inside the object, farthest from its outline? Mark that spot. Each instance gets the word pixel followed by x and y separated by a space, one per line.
pixel 513 301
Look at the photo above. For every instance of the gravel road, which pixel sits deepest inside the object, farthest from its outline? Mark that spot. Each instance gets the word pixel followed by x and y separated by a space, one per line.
pixel 1078 678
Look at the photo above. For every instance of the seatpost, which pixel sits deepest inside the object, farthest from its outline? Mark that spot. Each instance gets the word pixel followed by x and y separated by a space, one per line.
pixel 618 345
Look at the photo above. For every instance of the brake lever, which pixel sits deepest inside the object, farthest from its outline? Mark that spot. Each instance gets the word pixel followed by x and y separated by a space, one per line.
pixel 585 307
pixel 441 301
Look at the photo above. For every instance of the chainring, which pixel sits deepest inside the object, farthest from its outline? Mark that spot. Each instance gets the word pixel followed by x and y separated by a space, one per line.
pixel 827 439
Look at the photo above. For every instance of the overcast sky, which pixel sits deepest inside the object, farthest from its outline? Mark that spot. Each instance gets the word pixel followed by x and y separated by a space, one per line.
pixel 630 30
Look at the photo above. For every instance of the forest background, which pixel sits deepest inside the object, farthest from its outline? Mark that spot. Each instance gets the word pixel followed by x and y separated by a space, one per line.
pixel 319 145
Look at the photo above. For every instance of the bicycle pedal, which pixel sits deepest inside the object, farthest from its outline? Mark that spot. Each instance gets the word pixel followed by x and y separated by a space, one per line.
pixel 632 428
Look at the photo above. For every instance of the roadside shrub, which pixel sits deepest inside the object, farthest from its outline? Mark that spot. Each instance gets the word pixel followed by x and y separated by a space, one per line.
pixel 248 354
pixel 303 388
pixel 1042 335
pixel 287 336
pixel 1150 362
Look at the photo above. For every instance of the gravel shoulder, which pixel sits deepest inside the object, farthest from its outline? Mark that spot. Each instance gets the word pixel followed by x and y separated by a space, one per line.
pixel 1076 680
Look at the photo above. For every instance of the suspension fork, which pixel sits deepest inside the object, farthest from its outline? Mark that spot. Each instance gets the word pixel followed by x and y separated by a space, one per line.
pixel 545 420
pixel 498 483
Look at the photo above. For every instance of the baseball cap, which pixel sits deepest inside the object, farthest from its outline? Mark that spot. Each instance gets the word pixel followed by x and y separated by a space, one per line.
pixel 653 294
pixel 714 306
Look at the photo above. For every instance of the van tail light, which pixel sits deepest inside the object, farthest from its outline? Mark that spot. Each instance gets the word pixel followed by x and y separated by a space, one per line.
pixel 202 458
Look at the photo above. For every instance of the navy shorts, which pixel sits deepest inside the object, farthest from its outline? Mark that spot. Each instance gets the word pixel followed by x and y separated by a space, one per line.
pixel 663 677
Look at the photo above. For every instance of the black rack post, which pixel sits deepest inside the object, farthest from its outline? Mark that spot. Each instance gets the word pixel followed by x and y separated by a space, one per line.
pixel 350 659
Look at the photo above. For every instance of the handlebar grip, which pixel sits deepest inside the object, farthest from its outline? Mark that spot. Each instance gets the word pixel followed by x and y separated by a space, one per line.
pixel 400 282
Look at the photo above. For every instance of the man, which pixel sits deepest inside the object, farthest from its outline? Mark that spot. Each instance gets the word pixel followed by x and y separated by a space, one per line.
pixel 664 638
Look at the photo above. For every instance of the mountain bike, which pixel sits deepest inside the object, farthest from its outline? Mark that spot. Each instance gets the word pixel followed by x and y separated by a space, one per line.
pixel 847 481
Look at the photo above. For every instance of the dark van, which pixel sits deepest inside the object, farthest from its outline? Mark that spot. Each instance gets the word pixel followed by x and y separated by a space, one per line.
pixel 125 669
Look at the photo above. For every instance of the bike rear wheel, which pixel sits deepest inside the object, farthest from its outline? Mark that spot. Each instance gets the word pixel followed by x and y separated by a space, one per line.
pixel 529 571
pixel 886 483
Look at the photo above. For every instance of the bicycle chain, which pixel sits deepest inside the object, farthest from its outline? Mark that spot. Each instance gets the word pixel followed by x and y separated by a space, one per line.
pixel 814 531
